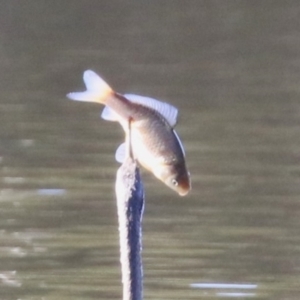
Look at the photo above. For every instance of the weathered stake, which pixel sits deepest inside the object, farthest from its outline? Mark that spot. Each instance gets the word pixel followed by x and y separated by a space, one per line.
pixel 130 202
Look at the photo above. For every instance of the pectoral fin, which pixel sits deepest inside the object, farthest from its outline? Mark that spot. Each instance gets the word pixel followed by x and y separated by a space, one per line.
pixel 121 153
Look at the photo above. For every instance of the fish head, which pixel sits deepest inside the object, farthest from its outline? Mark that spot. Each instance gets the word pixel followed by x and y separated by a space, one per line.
pixel 175 177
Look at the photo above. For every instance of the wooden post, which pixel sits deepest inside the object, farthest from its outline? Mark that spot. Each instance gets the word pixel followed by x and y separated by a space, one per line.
pixel 130 202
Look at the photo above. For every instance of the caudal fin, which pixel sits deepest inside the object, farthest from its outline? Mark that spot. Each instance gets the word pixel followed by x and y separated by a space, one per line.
pixel 97 90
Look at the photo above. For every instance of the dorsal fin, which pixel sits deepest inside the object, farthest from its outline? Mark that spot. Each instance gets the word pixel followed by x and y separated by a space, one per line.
pixel 179 141
pixel 168 111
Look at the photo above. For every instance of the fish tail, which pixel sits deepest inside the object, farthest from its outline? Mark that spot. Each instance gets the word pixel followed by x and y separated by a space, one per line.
pixel 97 90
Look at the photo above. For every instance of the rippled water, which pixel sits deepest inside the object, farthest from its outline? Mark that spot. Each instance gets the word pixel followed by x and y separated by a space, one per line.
pixel 231 67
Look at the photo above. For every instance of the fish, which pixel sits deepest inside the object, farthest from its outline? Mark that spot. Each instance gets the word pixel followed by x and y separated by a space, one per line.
pixel 154 142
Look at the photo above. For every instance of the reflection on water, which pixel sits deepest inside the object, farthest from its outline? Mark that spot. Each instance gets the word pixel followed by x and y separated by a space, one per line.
pixel 242 286
pixel 236 295
pixel 51 192
pixel 230 289
pixel 232 69
pixel 9 278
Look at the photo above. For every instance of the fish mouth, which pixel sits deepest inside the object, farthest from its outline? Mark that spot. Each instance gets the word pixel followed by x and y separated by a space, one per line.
pixel 184 192
pixel 184 187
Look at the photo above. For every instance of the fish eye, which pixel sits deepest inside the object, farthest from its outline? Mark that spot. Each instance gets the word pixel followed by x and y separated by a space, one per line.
pixel 174 182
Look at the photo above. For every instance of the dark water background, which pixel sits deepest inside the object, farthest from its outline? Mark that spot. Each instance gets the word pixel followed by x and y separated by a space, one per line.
pixel 233 70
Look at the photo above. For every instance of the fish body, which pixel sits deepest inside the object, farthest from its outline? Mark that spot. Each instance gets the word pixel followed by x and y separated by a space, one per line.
pixel 155 144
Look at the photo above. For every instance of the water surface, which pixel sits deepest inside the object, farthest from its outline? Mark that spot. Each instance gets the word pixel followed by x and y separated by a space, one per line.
pixel 231 67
